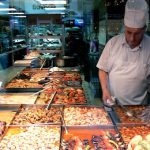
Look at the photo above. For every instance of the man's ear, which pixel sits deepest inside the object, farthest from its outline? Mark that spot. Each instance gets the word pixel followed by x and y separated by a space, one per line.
pixel 145 28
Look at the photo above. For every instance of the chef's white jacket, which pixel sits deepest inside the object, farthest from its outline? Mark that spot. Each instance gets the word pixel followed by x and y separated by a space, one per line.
pixel 128 69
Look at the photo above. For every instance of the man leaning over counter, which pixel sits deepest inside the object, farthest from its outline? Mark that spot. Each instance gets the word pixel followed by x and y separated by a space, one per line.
pixel 124 66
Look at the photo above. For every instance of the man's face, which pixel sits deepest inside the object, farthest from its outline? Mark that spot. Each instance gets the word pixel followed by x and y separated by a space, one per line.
pixel 134 36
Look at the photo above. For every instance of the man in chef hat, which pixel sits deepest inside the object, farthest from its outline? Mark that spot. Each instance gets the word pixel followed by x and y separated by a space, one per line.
pixel 124 66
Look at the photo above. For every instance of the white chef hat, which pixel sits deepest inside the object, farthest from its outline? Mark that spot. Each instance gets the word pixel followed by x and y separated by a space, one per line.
pixel 136 14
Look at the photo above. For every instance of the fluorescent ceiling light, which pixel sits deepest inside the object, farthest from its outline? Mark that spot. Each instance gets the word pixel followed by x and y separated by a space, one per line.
pixel 56 8
pixel 20 16
pixel 53 2
pixel 1 3
pixel 7 9
pixel 55 12
pixel 15 13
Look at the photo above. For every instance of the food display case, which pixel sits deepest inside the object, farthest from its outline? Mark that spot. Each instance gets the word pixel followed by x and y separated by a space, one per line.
pixel 46 38
pixel 62 109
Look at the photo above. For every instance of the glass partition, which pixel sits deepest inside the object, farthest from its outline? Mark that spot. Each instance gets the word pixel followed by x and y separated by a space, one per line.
pixel 5 36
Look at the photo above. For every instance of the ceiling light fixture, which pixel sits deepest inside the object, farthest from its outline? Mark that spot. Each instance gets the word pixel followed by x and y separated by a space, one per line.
pixel 20 16
pixel 55 12
pixel 1 3
pixel 16 13
pixel 53 2
pixel 7 9
pixel 56 8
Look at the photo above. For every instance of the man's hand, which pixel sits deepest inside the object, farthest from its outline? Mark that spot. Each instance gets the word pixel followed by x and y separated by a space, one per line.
pixel 106 95
pixel 108 99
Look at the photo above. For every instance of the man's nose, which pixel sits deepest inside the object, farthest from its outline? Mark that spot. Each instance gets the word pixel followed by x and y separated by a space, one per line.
pixel 132 38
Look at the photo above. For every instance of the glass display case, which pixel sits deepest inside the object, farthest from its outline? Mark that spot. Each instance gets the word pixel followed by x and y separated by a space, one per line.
pixel 46 37
pixel 12 35
pixel 19 32
pixel 5 37
pixel 12 41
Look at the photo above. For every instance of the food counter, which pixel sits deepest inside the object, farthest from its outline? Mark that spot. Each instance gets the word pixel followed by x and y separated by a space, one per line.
pixel 43 111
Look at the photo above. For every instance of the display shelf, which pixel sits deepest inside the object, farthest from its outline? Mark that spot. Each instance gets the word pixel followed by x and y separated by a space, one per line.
pixel 51 51
pixel 12 51
pixel 45 37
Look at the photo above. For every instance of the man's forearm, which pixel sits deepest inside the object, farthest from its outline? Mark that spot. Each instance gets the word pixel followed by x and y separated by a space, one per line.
pixel 103 77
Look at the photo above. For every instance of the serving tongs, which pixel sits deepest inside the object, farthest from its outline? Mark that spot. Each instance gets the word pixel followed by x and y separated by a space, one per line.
pixel 43 64
pixel 145 115
pixel 49 104
pixel 63 121
pixel 40 91
pixel 128 112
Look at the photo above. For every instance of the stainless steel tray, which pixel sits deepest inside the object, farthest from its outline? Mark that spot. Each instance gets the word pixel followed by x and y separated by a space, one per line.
pixel 119 117
pixel 128 131
pixel 89 136
pixel 72 115
pixel 70 98
pixel 37 131
pixel 35 70
pixel 14 90
pixel 11 107
pixel 17 98
pixel 33 114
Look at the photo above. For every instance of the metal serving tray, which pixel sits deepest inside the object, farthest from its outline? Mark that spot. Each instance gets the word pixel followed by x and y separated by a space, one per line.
pixel 70 96
pixel 128 131
pixel 62 99
pixel 119 116
pixel 84 117
pixel 38 114
pixel 73 83
pixel 45 98
pixel 35 70
pixel 57 74
pixel 24 82
pixel 45 135
pixel 94 137
pixel 9 107
pixel 22 63
pixel 7 112
pixel 21 90
pixel 17 98
pixel 69 69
